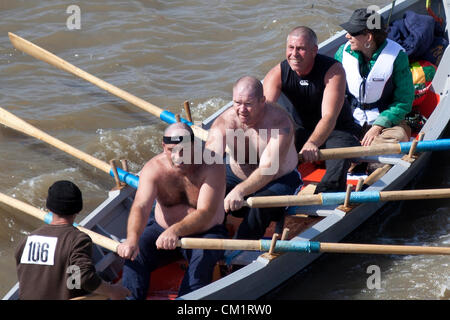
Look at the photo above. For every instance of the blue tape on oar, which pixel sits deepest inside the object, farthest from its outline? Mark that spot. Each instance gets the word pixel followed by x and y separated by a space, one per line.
pixel 126 177
pixel 431 145
pixel 292 246
pixel 365 196
pixel 48 218
pixel 169 117
pixel 333 198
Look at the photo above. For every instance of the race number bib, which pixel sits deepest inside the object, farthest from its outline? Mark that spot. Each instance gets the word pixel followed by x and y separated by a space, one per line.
pixel 39 250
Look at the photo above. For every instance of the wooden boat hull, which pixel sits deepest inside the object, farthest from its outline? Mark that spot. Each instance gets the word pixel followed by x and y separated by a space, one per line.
pixel 262 274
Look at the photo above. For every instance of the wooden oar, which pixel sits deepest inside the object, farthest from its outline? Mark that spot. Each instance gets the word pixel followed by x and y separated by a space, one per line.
pixel 388 148
pixel 306 246
pixel 103 241
pixel 46 56
pixel 14 122
pixel 336 198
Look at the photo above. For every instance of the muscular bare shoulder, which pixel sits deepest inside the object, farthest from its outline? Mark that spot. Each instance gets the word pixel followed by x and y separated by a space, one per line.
pixel 226 120
pixel 278 117
pixel 214 169
pixel 272 83
pixel 336 72
pixel 155 166
pixel 214 174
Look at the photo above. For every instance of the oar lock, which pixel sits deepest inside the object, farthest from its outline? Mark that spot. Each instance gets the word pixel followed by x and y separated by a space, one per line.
pixel 271 254
pixel 411 154
pixel 124 164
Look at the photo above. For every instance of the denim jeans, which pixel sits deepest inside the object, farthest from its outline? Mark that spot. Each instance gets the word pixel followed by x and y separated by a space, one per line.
pixel 136 274
pixel 256 220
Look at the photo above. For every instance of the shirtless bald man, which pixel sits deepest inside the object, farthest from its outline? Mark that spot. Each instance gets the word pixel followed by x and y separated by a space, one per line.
pixel 189 201
pixel 269 137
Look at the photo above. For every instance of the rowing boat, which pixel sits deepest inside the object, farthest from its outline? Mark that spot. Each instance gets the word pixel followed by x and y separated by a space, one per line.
pixel 250 275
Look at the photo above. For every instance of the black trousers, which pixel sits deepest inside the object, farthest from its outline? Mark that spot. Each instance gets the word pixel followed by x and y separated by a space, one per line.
pixel 335 178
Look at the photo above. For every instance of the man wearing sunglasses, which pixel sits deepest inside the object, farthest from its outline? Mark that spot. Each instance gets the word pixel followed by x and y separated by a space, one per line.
pixel 187 200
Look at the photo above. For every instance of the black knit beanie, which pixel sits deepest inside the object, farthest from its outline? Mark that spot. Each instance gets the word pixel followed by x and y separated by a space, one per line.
pixel 64 198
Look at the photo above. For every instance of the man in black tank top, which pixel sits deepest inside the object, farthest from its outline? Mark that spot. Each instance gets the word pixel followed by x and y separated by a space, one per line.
pixel 315 85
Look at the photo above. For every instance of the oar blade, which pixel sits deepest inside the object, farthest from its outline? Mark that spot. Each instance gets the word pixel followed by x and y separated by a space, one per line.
pixel 14 122
pixel 46 56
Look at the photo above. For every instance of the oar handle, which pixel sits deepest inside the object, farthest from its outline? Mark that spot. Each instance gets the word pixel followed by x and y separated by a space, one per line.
pixel 356 152
pixel 98 239
pixel 219 244
pixel 283 201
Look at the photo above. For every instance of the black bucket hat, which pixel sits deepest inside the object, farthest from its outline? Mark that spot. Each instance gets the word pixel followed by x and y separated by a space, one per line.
pixel 358 21
pixel 64 198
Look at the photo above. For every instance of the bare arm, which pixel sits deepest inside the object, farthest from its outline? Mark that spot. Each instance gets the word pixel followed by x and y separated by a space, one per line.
pixel 333 99
pixel 274 154
pixel 272 84
pixel 209 201
pixel 140 211
pixel 216 136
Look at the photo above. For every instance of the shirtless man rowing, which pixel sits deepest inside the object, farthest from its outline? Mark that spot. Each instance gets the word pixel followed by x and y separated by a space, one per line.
pixel 189 201
pixel 262 160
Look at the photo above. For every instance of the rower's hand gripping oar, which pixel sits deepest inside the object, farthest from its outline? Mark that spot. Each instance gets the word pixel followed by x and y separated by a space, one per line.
pixel 14 122
pixel 387 148
pixel 46 56
pixel 336 198
pixel 306 246
pixel 99 239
